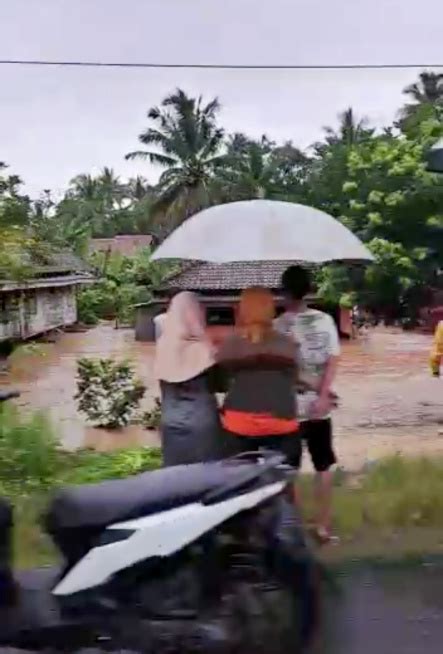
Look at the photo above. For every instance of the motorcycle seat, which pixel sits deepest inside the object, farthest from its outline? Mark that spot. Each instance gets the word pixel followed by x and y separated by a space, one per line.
pixel 109 502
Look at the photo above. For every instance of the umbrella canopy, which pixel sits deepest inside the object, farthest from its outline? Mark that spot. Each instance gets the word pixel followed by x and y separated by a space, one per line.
pixel 262 230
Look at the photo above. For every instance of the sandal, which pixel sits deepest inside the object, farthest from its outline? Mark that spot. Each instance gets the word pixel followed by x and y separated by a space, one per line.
pixel 325 537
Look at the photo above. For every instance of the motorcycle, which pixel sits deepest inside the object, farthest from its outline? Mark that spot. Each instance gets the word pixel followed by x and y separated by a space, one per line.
pixel 209 557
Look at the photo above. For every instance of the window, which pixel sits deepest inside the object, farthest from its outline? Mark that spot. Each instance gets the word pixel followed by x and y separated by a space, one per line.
pixel 220 316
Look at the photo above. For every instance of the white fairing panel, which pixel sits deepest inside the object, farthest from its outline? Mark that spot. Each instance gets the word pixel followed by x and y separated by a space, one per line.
pixel 161 534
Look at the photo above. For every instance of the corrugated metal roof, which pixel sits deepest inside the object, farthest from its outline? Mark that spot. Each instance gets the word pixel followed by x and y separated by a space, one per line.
pixel 229 276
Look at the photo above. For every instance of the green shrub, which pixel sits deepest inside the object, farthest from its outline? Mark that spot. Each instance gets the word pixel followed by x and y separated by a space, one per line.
pixel 97 302
pixel 108 299
pixel 108 394
pixel 29 454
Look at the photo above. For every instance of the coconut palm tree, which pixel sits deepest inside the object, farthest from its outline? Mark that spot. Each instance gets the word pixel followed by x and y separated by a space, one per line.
pixel 247 169
pixel 187 144
pixel 429 88
pixel 138 189
pixel 96 201
pixel 350 130
pixel 259 169
pixel 110 187
pixel 427 96
pixel 84 187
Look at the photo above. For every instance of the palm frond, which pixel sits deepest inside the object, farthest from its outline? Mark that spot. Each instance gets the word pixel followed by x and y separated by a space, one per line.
pixel 153 157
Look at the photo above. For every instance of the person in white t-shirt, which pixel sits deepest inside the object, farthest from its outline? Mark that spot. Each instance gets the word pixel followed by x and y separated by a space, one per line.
pixel 319 350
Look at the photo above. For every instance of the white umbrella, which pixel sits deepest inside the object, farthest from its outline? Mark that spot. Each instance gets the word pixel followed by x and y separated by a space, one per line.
pixel 262 230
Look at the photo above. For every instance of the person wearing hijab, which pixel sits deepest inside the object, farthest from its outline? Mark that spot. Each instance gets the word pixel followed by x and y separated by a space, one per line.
pixel 185 367
pixel 260 408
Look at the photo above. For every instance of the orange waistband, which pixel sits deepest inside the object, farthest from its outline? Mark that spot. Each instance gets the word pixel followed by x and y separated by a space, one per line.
pixel 257 424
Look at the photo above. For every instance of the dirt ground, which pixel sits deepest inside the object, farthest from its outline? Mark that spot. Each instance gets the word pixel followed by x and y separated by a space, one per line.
pixel 388 400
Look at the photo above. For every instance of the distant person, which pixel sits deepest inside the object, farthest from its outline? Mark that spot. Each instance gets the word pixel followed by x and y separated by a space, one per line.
pixel 259 410
pixel 319 349
pixel 185 366
pixel 437 350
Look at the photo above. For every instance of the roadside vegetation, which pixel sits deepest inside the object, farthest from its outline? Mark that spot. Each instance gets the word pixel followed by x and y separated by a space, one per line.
pixel 33 466
pixel 395 505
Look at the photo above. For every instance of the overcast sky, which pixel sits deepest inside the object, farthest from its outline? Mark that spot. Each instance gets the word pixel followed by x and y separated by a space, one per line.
pixel 56 123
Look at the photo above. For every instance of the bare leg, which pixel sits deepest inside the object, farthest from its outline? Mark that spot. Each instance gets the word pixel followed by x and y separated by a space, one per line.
pixel 323 498
pixel 296 494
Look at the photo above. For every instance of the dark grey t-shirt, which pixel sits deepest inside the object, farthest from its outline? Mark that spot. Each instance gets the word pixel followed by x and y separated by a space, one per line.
pixel 261 375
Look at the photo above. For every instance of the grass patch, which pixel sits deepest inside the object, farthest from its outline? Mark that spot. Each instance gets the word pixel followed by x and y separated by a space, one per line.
pixel 32 467
pixel 396 493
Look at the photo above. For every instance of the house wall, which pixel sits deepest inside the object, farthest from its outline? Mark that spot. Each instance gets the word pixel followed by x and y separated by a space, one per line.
pixel 27 313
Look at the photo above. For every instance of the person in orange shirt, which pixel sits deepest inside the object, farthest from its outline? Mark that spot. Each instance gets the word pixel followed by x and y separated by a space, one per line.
pixel 437 350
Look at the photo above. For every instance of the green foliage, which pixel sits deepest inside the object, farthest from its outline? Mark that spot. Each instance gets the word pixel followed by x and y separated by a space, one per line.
pixel 123 282
pixel 32 463
pixel 106 300
pixel 32 466
pixel 89 466
pixel 259 169
pixel 107 392
pixel 28 452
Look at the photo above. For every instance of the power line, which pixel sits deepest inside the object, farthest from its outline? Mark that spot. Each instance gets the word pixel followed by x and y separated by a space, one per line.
pixel 116 64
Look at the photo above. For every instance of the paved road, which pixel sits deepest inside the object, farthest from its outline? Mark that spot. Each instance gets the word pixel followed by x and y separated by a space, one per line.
pixel 378 610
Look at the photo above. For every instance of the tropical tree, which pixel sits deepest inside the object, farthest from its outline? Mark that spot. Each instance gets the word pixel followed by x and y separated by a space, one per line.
pixel 328 169
pixel 138 189
pixel 350 130
pixel 247 170
pixel 392 203
pixel 188 146
pixel 104 205
pixel 428 89
pixel 427 96
pixel 14 206
pixel 259 169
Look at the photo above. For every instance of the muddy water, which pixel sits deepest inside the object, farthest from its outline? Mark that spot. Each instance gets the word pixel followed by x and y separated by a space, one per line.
pixel 47 380
pixel 389 401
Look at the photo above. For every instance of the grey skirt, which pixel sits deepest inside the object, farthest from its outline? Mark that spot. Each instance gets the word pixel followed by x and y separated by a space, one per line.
pixel 190 424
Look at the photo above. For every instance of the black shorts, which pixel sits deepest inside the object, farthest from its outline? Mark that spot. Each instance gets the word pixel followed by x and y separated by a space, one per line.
pixel 289 445
pixel 317 435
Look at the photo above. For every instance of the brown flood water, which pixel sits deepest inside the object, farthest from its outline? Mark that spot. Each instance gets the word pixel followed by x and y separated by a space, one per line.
pixel 389 401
